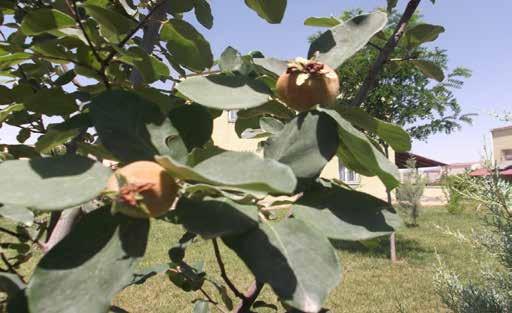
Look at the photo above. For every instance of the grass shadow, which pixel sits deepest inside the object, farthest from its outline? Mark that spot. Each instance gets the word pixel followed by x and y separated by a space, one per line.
pixel 407 249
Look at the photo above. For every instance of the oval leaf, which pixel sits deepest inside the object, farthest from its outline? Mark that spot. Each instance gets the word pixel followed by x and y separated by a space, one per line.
pixel 341 42
pixel 211 217
pixel 393 134
pixel 344 214
pixel 429 69
pixel 17 214
pixel 365 152
pixel 132 128
pixel 322 21
pixel 305 144
pixel 245 170
pixel 270 10
pixel 187 46
pixel 45 20
pixel 297 261
pixel 36 183
pixel 101 250
pixel 225 92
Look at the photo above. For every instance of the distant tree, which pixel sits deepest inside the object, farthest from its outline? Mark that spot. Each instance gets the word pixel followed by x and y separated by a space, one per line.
pixel 410 191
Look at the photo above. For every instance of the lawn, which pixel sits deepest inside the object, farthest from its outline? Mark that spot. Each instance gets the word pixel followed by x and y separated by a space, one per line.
pixel 370 282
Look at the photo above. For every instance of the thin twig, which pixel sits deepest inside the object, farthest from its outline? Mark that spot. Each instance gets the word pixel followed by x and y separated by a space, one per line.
pixel 249 297
pixel 74 9
pixel 121 44
pixel 223 273
pixel 210 299
pixel 82 28
pixel 11 268
pixel 385 52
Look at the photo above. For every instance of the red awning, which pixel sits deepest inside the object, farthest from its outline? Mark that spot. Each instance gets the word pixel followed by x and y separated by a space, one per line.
pixel 486 172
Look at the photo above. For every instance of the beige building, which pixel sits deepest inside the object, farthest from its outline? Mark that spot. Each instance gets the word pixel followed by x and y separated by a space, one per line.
pixel 502 146
pixel 224 136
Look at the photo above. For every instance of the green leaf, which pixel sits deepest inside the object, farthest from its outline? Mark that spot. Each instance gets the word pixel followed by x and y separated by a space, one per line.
pixel 96 150
pixel 322 21
pixel 149 67
pixel 187 46
pixel 429 69
pixel 422 33
pixel 5 113
pixel 344 214
pixel 165 102
pixel 23 135
pixel 230 60
pixel 338 44
pixel 113 25
pixel 272 65
pixel 203 13
pixel 34 183
pixel 11 284
pixel 391 133
pixel 13 59
pixel 271 125
pixel 133 128
pixel 211 217
pixel 194 124
pixel 101 250
pixel 225 92
pixel 54 138
pixel 17 214
pixel 51 102
pixel 297 261
pixel 52 49
pixel 180 6
pixel 45 20
pixel 365 152
pixel 273 107
pixel 22 151
pixel 305 144
pixel 198 155
pixel 248 127
pixel 391 5
pixel 270 10
pixel 348 159
pixel 65 78
pixel 201 306
pixel 244 170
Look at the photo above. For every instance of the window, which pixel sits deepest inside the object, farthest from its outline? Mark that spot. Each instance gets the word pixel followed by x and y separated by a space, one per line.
pixel 507 155
pixel 348 176
pixel 232 116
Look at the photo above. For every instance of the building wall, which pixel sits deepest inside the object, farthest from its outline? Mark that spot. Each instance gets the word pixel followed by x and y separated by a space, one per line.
pixel 224 136
pixel 502 141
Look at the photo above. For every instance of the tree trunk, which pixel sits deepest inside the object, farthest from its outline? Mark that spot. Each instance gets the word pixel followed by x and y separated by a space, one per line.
pixel 392 241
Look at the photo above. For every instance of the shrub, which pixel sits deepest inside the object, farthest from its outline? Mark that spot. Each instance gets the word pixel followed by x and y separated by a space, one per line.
pixel 493 291
pixel 410 191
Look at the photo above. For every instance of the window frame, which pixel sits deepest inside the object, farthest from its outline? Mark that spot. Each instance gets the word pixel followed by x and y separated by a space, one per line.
pixel 344 172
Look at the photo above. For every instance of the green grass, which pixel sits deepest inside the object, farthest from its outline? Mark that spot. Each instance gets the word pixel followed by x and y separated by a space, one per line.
pixel 370 282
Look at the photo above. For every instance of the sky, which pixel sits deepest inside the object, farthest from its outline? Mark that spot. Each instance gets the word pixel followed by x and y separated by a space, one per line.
pixel 477 37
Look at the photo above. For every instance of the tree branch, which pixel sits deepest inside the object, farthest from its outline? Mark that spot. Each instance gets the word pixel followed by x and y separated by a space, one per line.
pixel 62 228
pixel 152 11
pixel 223 273
pixel 10 268
pixel 73 8
pixel 249 297
pixel 384 54
pixel 210 299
